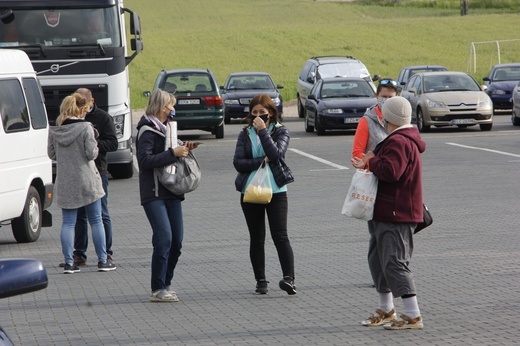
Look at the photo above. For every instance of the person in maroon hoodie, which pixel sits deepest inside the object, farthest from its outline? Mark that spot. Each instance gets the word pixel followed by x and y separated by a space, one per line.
pixel 396 162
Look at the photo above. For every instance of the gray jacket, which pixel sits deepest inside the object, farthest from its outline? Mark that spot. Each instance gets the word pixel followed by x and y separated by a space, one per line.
pixel 73 145
pixel 376 130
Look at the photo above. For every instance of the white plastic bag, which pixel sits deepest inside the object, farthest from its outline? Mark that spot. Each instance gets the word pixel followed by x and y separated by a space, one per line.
pixel 259 190
pixel 361 196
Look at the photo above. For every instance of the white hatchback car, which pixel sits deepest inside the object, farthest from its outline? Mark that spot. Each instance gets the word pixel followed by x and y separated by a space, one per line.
pixel 448 99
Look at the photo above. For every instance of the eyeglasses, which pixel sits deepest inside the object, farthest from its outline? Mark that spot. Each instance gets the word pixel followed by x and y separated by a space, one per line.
pixel 388 81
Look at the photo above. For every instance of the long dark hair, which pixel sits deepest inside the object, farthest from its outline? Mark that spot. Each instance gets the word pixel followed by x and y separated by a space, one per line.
pixel 267 103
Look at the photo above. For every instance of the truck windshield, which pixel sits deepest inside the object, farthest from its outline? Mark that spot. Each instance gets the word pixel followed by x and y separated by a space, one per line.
pixel 61 27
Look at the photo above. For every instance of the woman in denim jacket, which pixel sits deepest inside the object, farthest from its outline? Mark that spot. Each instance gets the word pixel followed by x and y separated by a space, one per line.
pixel 265 138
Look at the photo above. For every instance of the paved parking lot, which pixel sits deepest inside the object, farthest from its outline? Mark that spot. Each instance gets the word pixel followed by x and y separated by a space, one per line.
pixel 466 265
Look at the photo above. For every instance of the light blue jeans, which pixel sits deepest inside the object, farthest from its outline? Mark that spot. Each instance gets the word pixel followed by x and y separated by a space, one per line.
pixel 98 231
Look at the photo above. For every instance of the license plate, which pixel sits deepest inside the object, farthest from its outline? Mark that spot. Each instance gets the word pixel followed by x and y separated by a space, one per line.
pixel 246 109
pixel 351 120
pixel 463 121
pixel 189 102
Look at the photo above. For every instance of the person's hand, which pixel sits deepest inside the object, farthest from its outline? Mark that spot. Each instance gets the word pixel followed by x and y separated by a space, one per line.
pixel 191 145
pixel 258 124
pixel 181 151
pixel 361 163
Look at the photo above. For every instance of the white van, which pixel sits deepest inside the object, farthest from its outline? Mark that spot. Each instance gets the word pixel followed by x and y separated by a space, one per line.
pixel 26 187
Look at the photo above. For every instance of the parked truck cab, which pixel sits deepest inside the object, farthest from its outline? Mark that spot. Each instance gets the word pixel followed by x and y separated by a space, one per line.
pixel 26 188
pixel 80 44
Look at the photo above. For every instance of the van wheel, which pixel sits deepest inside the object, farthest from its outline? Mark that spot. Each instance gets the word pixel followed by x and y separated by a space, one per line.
pixel 219 131
pixel 420 122
pixel 28 226
pixel 121 170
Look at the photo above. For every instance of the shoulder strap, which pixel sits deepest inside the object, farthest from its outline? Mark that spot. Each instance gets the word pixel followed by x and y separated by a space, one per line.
pixel 148 128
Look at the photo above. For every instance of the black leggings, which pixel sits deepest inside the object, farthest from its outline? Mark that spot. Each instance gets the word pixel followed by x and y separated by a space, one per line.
pixel 277 216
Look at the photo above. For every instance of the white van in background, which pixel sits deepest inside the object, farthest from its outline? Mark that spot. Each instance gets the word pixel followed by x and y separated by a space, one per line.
pixel 26 187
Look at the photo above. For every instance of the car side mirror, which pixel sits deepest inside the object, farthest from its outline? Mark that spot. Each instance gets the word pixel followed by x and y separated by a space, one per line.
pixel 21 275
pixel 376 77
pixel 147 94
pixel 279 86
pixel 413 91
pixel 312 97
pixel 310 79
pixel 483 87
pixel 486 79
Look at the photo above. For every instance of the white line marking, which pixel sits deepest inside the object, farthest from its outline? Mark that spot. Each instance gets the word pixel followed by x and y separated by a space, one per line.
pixel 319 159
pixel 484 149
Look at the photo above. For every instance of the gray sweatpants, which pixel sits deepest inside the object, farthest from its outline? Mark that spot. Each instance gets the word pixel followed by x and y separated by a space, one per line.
pixel 389 252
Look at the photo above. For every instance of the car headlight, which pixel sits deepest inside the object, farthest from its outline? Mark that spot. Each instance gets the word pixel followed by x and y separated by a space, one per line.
pixel 435 104
pixel 333 111
pixel 276 101
pixel 487 103
pixel 231 102
pixel 498 92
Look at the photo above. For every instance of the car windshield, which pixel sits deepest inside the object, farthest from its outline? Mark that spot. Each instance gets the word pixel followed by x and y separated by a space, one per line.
pixel 188 83
pixel 344 89
pixel 352 69
pixel 61 27
pixel 256 82
pixel 507 73
pixel 442 83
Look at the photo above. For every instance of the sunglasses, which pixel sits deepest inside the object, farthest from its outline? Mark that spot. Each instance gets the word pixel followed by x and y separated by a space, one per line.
pixel 388 81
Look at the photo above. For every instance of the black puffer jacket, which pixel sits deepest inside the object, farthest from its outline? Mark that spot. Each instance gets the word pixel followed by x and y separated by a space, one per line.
pixel 274 144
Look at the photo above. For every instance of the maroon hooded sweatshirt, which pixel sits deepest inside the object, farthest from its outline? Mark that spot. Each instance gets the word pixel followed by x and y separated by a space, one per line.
pixel 398 167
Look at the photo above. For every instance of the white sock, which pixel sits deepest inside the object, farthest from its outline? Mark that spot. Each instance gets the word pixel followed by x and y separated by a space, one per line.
pixel 386 301
pixel 411 308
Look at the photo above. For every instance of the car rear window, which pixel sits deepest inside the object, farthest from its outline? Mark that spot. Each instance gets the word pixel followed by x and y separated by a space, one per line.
pixel 189 83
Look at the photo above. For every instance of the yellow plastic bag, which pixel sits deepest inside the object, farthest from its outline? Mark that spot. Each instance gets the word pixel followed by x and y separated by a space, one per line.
pixel 259 190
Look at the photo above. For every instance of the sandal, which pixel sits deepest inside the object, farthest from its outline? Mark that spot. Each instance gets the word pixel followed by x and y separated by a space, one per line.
pixel 381 318
pixel 406 323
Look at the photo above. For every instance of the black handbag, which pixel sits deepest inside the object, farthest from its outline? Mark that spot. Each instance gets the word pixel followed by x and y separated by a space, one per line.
pixel 427 220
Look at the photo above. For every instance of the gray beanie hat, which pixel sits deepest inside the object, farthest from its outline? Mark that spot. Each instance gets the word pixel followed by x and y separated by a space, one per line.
pixel 397 111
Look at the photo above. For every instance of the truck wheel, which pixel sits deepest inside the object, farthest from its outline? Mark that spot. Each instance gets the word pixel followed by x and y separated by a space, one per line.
pixel 121 170
pixel 28 226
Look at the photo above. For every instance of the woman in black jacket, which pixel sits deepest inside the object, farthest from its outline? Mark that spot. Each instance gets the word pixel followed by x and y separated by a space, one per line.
pixel 162 207
pixel 265 138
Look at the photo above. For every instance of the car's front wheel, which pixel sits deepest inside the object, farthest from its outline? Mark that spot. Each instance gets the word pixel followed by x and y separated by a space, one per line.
pixel 301 109
pixel 219 131
pixel 515 120
pixel 420 122
pixel 319 129
pixel 308 127
pixel 486 127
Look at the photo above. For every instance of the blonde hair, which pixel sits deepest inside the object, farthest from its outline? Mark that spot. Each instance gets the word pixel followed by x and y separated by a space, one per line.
pixel 158 100
pixel 72 106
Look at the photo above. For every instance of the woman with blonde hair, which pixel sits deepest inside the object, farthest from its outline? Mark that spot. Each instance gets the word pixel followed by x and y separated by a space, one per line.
pixel 162 207
pixel 72 144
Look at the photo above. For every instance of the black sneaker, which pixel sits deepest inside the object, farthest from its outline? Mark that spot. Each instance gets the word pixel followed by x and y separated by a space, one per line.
pixel 106 267
pixel 287 284
pixel 261 286
pixel 70 269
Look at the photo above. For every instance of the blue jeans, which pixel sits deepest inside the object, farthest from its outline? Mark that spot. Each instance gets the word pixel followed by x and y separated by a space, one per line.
pixel 93 211
pixel 165 217
pixel 81 230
